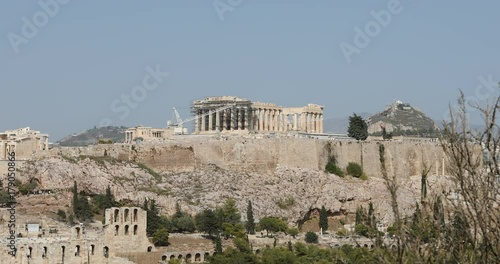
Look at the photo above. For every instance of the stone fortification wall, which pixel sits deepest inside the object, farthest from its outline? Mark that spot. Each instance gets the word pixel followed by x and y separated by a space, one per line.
pixel 264 155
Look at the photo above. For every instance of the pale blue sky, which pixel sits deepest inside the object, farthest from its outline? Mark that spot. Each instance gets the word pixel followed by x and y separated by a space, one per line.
pixel 90 53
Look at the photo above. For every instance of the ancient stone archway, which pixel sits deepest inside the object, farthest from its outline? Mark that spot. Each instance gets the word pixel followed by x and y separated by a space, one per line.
pixel 197 257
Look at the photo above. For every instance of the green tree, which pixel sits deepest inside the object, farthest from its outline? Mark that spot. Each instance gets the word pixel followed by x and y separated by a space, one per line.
pixel 250 224
pixel 273 225
pixel 183 223
pixel 81 206
pixel 153 221
pixel 358 128
pixel 160 237
pixel 323 219
pixel 207 222
pixel 311 237
pixel 218 245
pixel 228 213
pixel 75 197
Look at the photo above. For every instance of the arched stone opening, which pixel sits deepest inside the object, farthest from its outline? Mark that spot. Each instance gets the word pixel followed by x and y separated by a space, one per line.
pixel 44 252
pixel 116 214
pixel 135 215
pixel 63 252
pixel 77 251
pixel 92 249
pixel 135 230
pixel 105 252
pixel 197 257
pixel 365 245
pixel 180 256
pixel 206 256
pixel 172 257
pixel 372 246
pixel 163 258
pixel 337 245
pixel 117 229
pixel 30 251
pixel 150 249
pixel 77 230
pixel 126 215
pixel 126 230
pixel 188 258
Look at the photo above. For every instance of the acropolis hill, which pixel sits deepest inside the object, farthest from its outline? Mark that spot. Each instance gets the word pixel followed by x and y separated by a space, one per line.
pixel 268 161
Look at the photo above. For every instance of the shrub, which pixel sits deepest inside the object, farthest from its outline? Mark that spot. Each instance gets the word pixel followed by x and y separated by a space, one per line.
pixel 354 169
pixel 342 232
pixel 311 237
pixel 364 177
pixel 293 231
pixel 61 214
pixel 332 167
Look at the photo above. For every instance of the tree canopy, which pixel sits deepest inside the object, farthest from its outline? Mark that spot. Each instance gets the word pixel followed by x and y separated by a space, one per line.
pixel 358 128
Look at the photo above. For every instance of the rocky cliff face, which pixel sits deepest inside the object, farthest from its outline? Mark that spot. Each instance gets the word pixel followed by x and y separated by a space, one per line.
pixel 288 192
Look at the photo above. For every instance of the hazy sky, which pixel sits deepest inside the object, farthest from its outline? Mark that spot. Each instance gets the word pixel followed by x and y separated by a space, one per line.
pixel 68 67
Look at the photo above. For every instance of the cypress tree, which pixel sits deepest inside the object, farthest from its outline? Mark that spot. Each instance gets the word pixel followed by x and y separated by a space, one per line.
pixel 250 225
pixel 75 198
pixel 323 219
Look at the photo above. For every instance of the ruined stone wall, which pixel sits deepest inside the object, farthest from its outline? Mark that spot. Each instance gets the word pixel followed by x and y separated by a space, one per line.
pixel 264 155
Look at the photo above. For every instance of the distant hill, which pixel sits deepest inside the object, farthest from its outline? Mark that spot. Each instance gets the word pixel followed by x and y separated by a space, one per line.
pixel 402 119
pixel 92 136
pixel 339 125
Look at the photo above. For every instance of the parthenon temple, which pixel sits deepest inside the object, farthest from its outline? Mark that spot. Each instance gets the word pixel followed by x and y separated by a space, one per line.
pixel 232 114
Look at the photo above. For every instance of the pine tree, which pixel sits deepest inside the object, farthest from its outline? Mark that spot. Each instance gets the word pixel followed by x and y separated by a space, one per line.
pixel 358 128
pixel 250 224
pixel 323 219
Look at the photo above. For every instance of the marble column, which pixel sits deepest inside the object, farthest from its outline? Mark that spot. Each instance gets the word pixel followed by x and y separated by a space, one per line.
pixel 294 122
pixel 197 122
pixel 210 120
pixel 277 120
pixel 321 124
pixel 203 121
pixel 247 119
pixel 217 121
pixel 241 117
pixel 261 119
pixel 271 120
pixel 264 120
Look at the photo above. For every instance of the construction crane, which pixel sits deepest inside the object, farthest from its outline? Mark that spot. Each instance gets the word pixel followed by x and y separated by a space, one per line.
pixel 177 125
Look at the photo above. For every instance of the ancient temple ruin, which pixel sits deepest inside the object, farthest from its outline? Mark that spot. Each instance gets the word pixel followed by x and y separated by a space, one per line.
pixel 236 115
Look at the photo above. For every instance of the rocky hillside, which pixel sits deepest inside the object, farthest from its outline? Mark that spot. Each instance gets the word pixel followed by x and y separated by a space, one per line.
pixel 402 119
pixel 92 136
pixel 291 193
